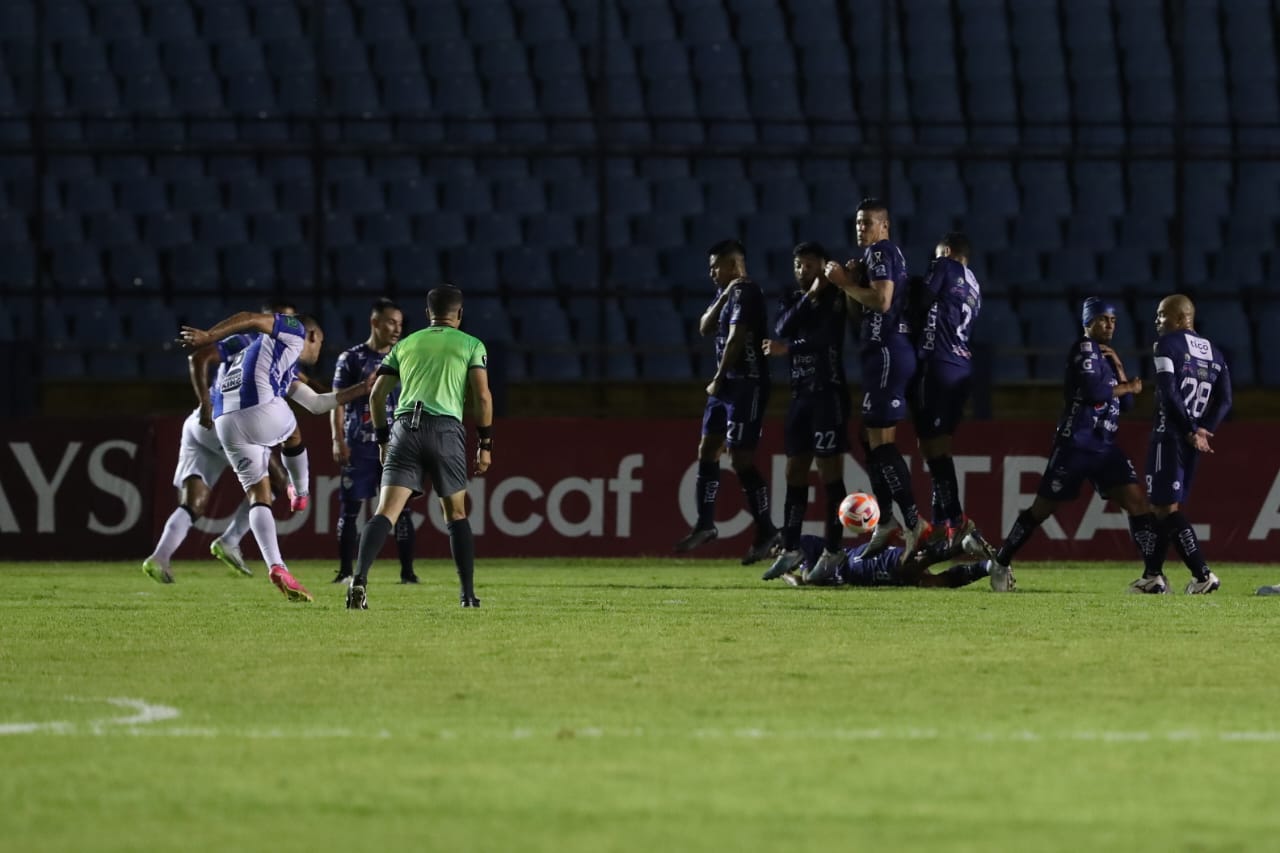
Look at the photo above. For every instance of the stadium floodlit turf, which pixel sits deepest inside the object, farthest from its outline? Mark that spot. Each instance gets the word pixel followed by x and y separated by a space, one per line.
pixel 660 705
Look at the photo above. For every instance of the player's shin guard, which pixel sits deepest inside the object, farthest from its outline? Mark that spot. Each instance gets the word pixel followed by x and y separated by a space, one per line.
pixel 404 542
pixel 834 529
pixel 348 539
pixel 1023 527
pixel 946 490
pixel 707 487
pixel 372 539
pixel 263 525
pixel 897 481
pixel 757 493
pixel 1183 536
pixel 793 512
pixel 463 546
pixel 175 530
pixel 1151 543
pixel 238 526
pixel 298 464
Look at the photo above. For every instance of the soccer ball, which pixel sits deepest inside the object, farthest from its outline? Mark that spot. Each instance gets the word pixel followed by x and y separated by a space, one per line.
pixel 859 513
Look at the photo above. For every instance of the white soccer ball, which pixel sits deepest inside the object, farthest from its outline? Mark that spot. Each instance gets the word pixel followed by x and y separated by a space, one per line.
pixel 859 513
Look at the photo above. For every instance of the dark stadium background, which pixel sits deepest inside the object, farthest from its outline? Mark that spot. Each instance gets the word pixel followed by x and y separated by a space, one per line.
pixel 567 162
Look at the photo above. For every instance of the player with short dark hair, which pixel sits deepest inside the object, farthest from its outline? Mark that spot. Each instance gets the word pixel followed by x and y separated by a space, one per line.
pixel 891 566
pixel 354 448
pixel 878 282
pixel 942 382
pixel 736 400
pixel 1095 391
pixel 811 327
pixel 1193 395
pixel 437 369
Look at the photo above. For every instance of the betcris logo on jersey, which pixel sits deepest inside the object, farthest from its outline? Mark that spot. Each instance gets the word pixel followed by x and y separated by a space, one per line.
pixel 232 381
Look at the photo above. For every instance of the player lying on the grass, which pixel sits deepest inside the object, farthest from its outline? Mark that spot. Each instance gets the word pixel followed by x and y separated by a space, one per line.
pixel 889 567
pixel 251 416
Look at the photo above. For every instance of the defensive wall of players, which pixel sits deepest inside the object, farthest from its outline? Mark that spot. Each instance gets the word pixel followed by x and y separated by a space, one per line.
pixel 98 489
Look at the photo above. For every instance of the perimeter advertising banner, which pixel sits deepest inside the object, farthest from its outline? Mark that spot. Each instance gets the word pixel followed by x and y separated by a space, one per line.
pixel 572 487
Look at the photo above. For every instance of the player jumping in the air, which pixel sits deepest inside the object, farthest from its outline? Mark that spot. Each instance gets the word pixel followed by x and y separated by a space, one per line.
pixel 1193 395
pixel 1095 391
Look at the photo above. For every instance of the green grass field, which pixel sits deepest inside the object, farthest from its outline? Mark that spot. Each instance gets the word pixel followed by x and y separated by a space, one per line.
pixel 634 706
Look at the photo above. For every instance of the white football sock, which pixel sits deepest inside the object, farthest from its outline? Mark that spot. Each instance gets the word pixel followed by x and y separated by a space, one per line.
pixel 238 526
pixel 175 530
pixel 264 533
pixel 299 469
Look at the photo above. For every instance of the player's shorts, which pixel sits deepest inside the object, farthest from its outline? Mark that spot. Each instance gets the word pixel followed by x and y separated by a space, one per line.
pixel 818 424
pixel 938 395
pixel 737 413
pixel 886 373
pixel 200 454
pixel 247 436
pixel 1171 466
pixel 361 476
pixel 1069 467
pixel 435 454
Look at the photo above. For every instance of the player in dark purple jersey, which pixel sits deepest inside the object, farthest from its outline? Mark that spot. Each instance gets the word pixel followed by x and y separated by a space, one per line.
pixel 736 400
pixel 878 282
pixel 1095 391
pixel 354 447
pixel 941 385
pixel 1193 395
pixel 892 566
pixel 812 325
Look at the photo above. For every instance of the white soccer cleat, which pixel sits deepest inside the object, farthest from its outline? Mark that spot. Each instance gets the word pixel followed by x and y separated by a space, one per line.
pixel 1150 586
pixel 824 570
pixel 912 536
pixel 1203 587
pixel 1001 577
pixel 1269 590
pixel 976 545
pixel 881 536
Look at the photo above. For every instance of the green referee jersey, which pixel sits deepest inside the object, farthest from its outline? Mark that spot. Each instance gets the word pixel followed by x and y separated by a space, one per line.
pixel 433 365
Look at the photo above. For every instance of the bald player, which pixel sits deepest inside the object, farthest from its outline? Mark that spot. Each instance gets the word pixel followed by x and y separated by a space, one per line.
pixel 1193 395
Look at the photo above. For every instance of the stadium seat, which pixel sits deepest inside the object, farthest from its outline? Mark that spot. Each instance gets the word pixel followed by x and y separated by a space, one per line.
pixel 1268 318
pixel 134 269
pixel 385 230
pixel 659 331
pixel 1225 323
pixel 248 268
pixel 1052 325
pixel 360 267
pixel 413 268
pixel 440 229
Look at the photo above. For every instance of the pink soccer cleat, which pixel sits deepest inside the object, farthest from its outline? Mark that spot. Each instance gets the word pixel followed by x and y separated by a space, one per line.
pixel 289 585
pixel 298 502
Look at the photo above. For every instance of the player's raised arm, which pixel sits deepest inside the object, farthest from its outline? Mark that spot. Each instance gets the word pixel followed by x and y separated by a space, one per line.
pixel 245 321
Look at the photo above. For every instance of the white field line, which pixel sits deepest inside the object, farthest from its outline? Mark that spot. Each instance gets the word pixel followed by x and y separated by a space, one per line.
pixel 142 723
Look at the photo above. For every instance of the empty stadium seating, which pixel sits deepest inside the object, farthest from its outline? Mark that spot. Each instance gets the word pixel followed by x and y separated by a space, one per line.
pixel 735 89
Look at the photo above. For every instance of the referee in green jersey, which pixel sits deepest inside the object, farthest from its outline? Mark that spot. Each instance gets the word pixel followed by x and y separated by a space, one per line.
pixel 435 368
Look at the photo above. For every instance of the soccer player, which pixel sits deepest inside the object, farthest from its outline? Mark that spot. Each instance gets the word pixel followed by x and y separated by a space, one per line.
pixel 251 415
pixel 1095 391
pixel 878 282
pixel 891 566
pixel 941 385
pixel 435 367
pixel 353 446
pixel 1193 395
pixel 812 326
pixel 736 400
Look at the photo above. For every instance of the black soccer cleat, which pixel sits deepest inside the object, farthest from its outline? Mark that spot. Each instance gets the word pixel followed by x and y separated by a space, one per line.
pixel 409 578
pixel 469 601
pixel 356 599
pixel 697 536
pixel 766 547
pixel 341 577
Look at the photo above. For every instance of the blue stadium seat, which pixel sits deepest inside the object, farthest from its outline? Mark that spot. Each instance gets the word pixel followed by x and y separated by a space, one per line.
pixel 296 266
pixel 576 268
pixel 248 268
pixel 295 195
pixel 413 268
pixel 166 230
pixel 275 230
pixel 678 196
pixel 1238 268
pixel 987 232
pixel 471 263
pixel 775 103
pixel 218 229
pixel 441 229
pixel 66 19
pixel 1052 325
pixel 1091 232
pixel 414 195
pixel 663 58
pixel 769 230
pixel 385 230
pixel 496 230
pixel 733 197
pixel 111 229
pixel 664 353
pixel 1017 266
pixel 993 109
pixel 489 20
pixel 201 311
pixel 1073 268
pixel 660 230
pixel 1268 317
pixel 543 22
pixel 251 196
pixel 406 94
pixel 1225 323
pixel 552 230
pixel 17 266
pixel 360 267
pixel 61 229
pixel 134 268
pixel 672 106
pixel 574 197
pixel 514 104
pixel 357 195
pixel 383 20
pixel 150 321
pixel 635 269
pixel 224 21
pixel 78 266
pixel 1037 228
pixel 524 268
pixel 339 230
pixel 650 23
pixel 601 322
pixel 77 56
pixel 277 20
pixel 715 59
pixel 759 22
pixel 524 196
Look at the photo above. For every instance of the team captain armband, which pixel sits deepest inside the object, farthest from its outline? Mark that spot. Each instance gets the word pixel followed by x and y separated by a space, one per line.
pixel 1164 364
pixel 382 434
